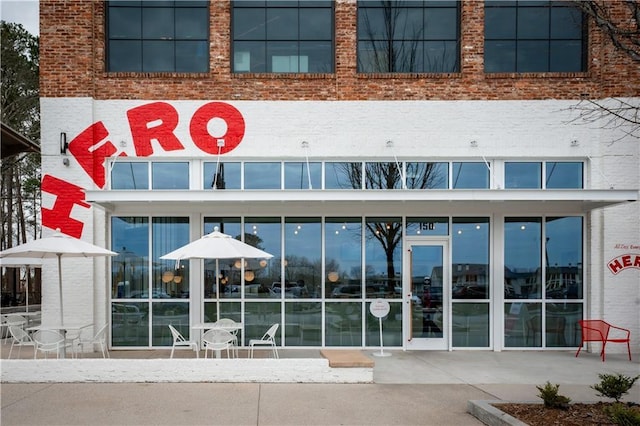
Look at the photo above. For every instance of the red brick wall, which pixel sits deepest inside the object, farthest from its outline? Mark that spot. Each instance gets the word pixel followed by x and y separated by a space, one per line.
pixel 73 46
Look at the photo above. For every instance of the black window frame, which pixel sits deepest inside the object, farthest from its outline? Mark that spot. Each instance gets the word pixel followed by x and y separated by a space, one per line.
pixel 517 59
pixel 270 44
pixel 450 64
pixel 179 44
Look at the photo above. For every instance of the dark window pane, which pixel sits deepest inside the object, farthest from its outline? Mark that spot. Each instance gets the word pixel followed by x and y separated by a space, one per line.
pixel 248 24
pixel 157 56
pixel 299 176
pixel 440 56
pixel 191 24
pixel 407 56
pixel 566 23
pixel 124 22
pixel 371 25
pixel 282 24
pixel 533 23
pixel 125 56
pixel 500 23
pixel 157 23
pixel 566 56
pixel 533 56
pixel 441 24
pixel 316 24
pixel 318 55
pixel 373 57
pixel 470 258
pixel 192 56
pixel 500 56
pixel 343 176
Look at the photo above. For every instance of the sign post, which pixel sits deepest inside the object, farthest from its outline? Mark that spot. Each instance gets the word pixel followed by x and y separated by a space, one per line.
pixel 380 308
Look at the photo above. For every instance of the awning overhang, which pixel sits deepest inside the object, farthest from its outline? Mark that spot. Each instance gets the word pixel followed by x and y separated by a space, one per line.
pixel 14 143
pixel 548 201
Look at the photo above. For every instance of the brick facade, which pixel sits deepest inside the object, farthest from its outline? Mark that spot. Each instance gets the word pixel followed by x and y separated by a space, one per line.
pixel 72 64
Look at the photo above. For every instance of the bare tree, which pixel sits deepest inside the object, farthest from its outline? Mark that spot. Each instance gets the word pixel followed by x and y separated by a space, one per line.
pixel 622 27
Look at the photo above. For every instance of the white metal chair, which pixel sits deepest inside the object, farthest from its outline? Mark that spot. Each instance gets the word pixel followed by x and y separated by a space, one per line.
pixel 19 338
pixel 217 340
pixel 4 327
pixel 232 327
pixel 269 339
pixel 100 338
pixel 47 341
pixel 179 340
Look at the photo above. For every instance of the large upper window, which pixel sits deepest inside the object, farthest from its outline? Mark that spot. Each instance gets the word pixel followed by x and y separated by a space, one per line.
pixel 534 36
pixel 283 36
pixel 158 36
pixel 408 36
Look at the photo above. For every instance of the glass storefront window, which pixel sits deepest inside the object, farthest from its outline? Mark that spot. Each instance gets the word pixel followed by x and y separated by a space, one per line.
pixel 522 258
pixel 391 326
pixel 564 175
pixel 168 175
pixel 383 256
pixel 563 258
pixel 343 324
pixel 303 324
pixel 303 258
pixel 299 176
pixel 427 226
pixel 522 324
pixel 130 324
pixel 170 313
pixel 522 175
pixel 129 175
pixel 427 175
pixel 470 176
pixel 130 268
pixel 343 257
pixel 265 234
pixel 258 317
pixel 382 176
pixel 342 175
pixel 229 276
pixel 470 325
pixel 470 258
pixel 229 176
pixel 561 326
pixel 262 176
pixel 168 234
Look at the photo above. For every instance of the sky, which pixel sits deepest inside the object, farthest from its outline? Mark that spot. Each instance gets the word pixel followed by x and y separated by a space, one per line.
pixel 23 12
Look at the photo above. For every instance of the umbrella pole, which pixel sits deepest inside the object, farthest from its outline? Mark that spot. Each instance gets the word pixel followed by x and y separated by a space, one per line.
pixel 60 286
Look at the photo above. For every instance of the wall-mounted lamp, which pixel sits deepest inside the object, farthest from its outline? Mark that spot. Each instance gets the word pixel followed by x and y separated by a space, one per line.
pixel 64 145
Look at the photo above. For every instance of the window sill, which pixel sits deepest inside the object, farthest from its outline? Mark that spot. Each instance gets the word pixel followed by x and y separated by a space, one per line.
pixel 165 75
pixel 283 75
pixel 520 75
pixel 408 75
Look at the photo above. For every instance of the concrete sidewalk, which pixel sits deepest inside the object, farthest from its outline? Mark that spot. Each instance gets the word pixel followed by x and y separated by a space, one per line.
pixel 410 388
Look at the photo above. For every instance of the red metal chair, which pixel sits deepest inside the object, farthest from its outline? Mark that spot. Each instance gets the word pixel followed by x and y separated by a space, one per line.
pixel 598 331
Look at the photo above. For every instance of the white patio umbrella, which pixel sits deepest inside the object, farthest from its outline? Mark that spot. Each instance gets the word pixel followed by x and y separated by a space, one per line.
pixel 58 245
pixel 19 262
pixel 217 245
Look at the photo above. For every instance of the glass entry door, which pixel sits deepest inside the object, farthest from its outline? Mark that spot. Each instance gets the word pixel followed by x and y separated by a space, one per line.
pixel 426 296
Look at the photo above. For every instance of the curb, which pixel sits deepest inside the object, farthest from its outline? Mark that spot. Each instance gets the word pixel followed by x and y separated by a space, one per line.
pixel 488 414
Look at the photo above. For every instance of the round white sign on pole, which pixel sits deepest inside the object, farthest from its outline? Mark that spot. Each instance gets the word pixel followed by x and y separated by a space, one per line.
pixel 379 308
